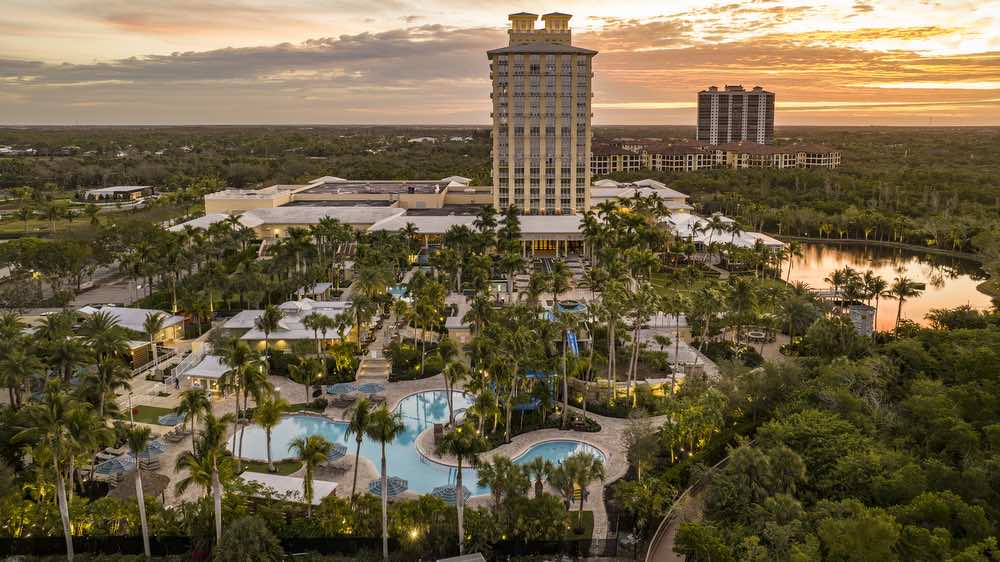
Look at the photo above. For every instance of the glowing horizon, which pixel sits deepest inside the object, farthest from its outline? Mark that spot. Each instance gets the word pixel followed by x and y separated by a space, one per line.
pixel 900 62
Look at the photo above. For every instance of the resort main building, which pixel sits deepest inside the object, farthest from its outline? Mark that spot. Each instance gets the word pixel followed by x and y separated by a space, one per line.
pixel 541 118
pixel 541 152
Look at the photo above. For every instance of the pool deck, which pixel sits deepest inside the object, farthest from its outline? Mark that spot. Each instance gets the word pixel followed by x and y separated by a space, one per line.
pixel 608 440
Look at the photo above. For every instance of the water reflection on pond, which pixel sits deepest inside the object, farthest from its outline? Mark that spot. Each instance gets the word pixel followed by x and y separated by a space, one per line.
pixel 950 281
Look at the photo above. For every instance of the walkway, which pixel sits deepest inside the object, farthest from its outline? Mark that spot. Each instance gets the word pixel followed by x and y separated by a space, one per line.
pixel 688 508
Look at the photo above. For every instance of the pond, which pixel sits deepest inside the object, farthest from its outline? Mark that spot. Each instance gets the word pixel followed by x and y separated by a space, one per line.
pixel 950 281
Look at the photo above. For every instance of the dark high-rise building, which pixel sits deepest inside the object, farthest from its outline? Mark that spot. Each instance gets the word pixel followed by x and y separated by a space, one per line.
pixel 734 114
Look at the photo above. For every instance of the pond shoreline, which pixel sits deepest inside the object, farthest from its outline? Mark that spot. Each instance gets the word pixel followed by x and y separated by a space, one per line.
pixel 881 243
pixel 988 287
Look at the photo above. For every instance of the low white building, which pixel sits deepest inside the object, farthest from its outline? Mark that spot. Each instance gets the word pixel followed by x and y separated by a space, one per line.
pixel 118 193
pixel 134 319
pixel 292 326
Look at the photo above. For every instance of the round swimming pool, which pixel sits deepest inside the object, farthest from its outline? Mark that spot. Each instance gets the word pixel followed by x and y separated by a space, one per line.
pixel 419 411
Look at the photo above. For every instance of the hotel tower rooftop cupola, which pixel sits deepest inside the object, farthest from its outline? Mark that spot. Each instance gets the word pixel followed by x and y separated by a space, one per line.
pixel 556 30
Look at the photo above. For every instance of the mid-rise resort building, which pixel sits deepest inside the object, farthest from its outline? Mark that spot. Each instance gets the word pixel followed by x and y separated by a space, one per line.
pixel 688 156
pixel 541 118
pixel 734 114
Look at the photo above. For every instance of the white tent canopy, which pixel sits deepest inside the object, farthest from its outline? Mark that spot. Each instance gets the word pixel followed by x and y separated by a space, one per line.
pixel 285 484
pixel 211 367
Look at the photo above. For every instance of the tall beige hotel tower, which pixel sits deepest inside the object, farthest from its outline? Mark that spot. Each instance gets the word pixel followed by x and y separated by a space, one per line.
pixel 541 118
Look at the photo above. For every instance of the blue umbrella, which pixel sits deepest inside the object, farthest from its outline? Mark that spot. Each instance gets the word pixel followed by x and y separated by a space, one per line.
pixel 396 486
pixel 341 388
pixel 447 493
pixel 371 388
pixel 117 465
pixel 337 451
pixel 153 450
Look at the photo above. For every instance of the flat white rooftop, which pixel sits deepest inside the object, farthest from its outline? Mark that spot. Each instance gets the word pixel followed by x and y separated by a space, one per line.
pixel 312 215
pixel 290 484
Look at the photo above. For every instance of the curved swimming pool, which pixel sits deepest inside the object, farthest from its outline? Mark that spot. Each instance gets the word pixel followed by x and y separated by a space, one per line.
pixel 418 412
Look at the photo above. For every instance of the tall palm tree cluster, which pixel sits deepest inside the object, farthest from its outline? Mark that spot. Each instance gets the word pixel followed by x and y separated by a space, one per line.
pixel 62 382
pixel 852 286
pixel 201 270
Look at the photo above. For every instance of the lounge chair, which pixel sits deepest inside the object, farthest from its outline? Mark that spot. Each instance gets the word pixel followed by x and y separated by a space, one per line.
pixel 343 401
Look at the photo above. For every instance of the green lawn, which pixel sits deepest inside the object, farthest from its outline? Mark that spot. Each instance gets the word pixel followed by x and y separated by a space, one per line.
pixel 147 414
pixel 80 226
pixel 284 468
pixel 588 525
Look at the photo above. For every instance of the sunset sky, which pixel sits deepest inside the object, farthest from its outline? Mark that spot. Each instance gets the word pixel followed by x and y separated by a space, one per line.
pixel 890 62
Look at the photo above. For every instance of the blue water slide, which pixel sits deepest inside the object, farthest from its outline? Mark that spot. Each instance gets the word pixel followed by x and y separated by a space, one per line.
pixel 574 345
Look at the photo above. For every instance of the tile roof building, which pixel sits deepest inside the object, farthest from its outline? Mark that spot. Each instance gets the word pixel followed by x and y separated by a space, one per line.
pixel 687 156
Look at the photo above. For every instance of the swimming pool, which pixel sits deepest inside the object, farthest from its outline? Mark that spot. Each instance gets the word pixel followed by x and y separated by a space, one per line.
pixel 419 411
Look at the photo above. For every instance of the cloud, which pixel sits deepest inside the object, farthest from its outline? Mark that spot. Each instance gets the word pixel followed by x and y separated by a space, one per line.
pixel 648 71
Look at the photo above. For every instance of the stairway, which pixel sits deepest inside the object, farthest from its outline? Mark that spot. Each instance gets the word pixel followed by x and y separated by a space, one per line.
pixel 374 370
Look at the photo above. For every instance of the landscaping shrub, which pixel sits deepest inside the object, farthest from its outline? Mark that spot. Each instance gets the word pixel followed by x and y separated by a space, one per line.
pixel 248 538
pixel 405 357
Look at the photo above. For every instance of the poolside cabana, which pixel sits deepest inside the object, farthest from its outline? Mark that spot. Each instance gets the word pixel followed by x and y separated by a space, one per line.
pixel 207 374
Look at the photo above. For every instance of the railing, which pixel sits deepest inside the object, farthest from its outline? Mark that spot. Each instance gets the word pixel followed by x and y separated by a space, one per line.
pixel 190 361
pixel 160 358
pixel 672 513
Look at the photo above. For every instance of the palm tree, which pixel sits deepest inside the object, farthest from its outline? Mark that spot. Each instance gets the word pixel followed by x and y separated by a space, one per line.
pixel 104 336
pixel 306 372
pixel 318 322
pixel 246 374
pixel 17 368
pixel 268 414
pixel 504 478
pixel 464 443
pixel 88 432
pixel 268 322
pixel 567 323
pixel 794 250
pixel 47 422
pixel 138 441
pixel 110 375
pixel 454 373
pixel 903 288
pixel 24 214
pixel 558 280
pixel 875 288
pixel 582 469
pixel 539 468
pixel 194 402
pixel 484 407
pixel 357 425
pixel 383 427
pixel 152 326
pixel 206 467
pixel 510 264
pixel 312 451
